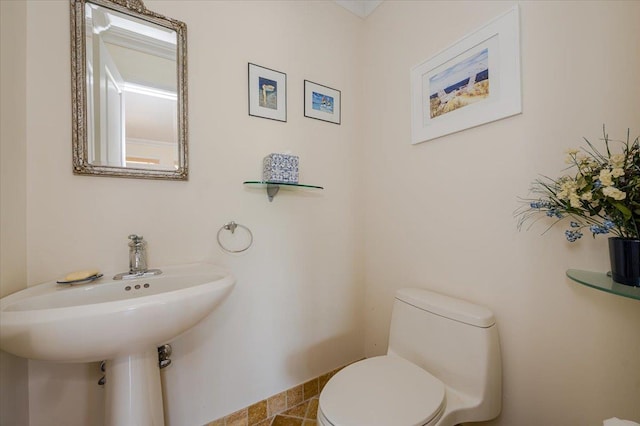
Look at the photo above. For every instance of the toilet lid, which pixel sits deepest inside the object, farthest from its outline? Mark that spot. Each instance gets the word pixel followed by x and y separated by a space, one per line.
pixel 382 391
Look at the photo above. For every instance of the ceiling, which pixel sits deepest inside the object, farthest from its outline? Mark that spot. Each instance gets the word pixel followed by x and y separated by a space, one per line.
pixel 362 8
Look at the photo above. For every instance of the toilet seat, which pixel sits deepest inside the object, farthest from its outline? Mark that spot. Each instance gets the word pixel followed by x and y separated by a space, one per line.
pixel 382 391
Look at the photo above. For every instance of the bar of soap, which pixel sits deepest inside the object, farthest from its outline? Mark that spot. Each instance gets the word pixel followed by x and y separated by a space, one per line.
pixel 81 275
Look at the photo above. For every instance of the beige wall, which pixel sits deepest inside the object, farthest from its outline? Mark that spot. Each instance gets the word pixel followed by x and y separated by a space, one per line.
pixel 440 214
pixel 299 294
pixel 436 215
pixel 13 133
pixel 13 206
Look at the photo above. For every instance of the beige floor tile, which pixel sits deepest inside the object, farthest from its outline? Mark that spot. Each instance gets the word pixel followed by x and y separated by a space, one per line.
pixel 286 421
pixel 299 410
pixel 294 396
pixel 239 418
pixel 312 411
pixel 310 389
pixel 277 404
pixel 257 412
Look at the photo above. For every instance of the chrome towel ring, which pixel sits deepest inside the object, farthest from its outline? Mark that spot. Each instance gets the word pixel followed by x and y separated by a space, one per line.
pixel 232 226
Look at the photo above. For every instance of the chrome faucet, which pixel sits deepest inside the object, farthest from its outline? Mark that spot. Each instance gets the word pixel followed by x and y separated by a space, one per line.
pixel 137 255
pixel 137 260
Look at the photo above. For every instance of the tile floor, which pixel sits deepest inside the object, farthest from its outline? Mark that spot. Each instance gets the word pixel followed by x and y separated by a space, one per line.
pixel 300 415
pixel 297 406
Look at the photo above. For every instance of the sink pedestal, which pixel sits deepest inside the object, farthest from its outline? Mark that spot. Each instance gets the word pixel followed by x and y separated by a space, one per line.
pixel 133 390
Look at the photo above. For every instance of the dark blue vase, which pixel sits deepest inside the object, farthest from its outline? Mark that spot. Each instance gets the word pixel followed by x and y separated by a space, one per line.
pixel 624 254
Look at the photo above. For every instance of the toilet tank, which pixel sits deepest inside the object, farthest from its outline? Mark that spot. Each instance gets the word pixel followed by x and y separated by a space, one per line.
pixel 454 340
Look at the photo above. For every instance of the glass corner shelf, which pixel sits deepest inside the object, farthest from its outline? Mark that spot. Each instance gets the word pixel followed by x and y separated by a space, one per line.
pixel 602 281
pixel 274 187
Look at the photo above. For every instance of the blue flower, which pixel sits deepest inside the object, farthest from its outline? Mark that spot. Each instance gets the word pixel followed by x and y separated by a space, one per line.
pixel 597 229
pixel 572 236
pixel 540 204
pixel 554 212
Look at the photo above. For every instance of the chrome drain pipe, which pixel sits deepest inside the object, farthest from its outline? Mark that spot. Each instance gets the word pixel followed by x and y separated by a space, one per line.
pixel 164 352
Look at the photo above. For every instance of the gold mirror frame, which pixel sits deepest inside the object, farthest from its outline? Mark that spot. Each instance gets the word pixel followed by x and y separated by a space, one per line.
pixel 81 163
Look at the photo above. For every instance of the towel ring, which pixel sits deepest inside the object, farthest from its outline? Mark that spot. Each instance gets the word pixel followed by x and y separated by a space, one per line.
pixel 231 226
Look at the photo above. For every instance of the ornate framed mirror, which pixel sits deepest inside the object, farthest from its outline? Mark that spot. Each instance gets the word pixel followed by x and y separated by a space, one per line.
pixel 129 91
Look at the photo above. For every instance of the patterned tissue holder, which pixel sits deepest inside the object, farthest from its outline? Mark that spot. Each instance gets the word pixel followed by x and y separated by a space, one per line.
pixel 280 168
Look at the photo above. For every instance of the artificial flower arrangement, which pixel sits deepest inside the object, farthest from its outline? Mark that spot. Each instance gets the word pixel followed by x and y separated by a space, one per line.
pixel 602 193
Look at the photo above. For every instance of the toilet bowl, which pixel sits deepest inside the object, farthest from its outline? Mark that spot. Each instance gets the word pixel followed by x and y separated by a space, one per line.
pixel 390 391
pixel 442 368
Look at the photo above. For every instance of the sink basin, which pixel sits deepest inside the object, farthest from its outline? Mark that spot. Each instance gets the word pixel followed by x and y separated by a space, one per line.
pixel 121 321
pixel 102 320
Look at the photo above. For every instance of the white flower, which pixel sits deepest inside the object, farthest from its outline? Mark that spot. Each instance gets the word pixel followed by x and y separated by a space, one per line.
pixel 605 177
pixel 617 172
pixel 614 193
pixel 617 160
pixel 574 200
pixel 567 188
pixel 571 155
pixel 587 196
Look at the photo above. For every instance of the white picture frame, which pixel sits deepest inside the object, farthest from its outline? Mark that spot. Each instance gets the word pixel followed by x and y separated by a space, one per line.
pixel 267 93
pixel 442 103
pixel 322 102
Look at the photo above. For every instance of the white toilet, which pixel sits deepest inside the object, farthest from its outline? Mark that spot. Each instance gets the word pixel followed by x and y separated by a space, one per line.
pixel 442 368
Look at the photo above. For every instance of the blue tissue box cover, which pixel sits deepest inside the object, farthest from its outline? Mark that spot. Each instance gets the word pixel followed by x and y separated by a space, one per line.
pixel 281 168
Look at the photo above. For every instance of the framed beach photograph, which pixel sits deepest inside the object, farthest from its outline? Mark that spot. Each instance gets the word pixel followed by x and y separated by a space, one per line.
pixel 473 82
pixel 321 102
pixel 267 93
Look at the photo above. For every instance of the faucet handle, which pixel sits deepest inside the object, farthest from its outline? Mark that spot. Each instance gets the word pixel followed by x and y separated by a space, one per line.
pixel 136 240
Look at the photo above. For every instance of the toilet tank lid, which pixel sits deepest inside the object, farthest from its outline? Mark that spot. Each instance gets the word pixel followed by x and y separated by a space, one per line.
pixel 448 307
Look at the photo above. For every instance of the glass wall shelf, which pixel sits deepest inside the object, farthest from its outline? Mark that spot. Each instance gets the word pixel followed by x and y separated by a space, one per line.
pixel 603 282
pixel 274 187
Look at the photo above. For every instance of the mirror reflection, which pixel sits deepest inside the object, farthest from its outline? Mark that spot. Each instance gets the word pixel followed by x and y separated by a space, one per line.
pixel 134 97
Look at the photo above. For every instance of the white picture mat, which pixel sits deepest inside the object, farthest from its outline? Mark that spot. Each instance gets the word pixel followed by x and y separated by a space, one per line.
pixel 309 88
pixel 280 113
pixel 502 37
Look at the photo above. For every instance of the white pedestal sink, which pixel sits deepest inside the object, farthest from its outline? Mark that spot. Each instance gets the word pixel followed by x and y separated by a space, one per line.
pixel 122 322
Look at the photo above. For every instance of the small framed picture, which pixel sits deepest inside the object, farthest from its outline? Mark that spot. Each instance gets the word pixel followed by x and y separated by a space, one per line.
pixel 321 102
pixel 267 93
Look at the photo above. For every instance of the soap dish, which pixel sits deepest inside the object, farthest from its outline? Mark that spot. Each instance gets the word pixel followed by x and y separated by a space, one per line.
pixel 81 281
